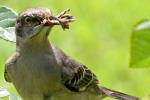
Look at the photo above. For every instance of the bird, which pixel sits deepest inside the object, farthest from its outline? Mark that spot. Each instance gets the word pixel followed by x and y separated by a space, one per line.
pixel 39 70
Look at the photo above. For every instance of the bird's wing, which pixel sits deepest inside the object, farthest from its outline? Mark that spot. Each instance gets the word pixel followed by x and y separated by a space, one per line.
pixel 75 76
pixel 81 77
pixel 9 64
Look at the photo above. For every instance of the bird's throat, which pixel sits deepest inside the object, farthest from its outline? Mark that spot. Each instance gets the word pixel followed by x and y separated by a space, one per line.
pixel 38 41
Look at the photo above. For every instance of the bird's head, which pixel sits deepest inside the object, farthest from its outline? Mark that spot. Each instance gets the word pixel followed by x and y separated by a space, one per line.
pixel 39 21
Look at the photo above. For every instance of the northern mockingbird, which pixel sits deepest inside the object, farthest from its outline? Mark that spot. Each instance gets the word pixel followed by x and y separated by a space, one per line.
pixel 41 71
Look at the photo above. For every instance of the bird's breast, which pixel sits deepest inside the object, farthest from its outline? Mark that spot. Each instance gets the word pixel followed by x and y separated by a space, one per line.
pixel 38 74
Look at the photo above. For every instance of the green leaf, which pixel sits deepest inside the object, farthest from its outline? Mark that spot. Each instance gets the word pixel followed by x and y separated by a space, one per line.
pixel 5 95
pixel 14 97
pixel 3 92
pixel 140 45
pixel 7 24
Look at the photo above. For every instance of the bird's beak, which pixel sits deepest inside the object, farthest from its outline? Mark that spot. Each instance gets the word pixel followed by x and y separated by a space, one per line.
pixel 51 21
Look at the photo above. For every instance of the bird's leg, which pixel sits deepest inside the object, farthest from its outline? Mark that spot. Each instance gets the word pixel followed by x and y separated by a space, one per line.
pixel 63 19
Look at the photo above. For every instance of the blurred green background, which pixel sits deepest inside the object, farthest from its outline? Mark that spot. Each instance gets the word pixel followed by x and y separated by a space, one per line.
pixel 99 38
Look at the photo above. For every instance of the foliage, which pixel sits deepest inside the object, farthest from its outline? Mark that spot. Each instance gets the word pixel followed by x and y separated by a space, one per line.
pixel 7 23
pixel 3 92
pixel 140 45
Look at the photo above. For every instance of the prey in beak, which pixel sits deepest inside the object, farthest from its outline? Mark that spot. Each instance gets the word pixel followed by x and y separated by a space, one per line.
pixel 63 19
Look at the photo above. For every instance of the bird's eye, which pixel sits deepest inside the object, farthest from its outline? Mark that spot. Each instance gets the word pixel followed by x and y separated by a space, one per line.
pixel 28 20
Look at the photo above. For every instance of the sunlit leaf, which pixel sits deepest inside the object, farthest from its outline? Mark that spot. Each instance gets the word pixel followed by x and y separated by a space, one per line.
pixel 140 45
pixel 7 24
pixel 3 92
pixel 14 97
pixel 6 34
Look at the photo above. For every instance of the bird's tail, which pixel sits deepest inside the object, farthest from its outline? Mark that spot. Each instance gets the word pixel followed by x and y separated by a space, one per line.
pixel 115 94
